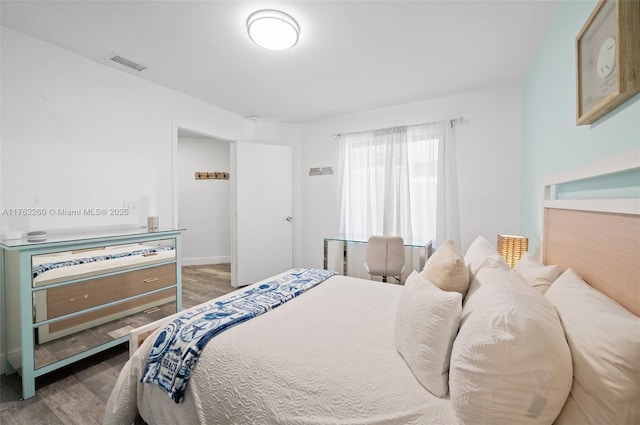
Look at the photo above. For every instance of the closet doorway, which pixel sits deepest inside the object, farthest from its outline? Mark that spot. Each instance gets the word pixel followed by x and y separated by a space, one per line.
pixel 204 207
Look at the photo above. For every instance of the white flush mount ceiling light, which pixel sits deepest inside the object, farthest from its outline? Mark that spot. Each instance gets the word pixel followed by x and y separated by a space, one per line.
pixel 273 29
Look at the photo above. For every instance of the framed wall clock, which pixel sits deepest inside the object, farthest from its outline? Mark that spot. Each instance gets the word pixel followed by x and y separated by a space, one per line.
pixel 607 59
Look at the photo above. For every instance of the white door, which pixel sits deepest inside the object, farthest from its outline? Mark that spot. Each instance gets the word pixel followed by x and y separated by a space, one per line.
pixel 261 217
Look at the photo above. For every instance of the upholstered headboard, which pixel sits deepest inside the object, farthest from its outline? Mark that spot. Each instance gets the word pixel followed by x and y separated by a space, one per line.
pixel 599 238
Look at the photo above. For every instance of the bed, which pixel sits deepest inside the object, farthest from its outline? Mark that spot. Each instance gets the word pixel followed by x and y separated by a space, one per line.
pixel 524 346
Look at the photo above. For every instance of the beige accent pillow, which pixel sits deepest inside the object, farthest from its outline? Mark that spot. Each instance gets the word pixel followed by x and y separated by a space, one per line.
pixel 537 274
pixel 446 269
pixel 604 339
pixel 510 362
pixel 426 325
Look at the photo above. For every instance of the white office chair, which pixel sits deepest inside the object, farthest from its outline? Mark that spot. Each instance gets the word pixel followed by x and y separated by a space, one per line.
pixel 385 256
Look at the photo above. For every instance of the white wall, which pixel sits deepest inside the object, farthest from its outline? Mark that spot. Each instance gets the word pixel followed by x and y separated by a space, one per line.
pixel 204 205
pixel 552 142
pixel 78 134
pixel 488 159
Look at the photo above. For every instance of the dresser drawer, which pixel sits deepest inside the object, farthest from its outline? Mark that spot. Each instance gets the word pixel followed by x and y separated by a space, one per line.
pixel 108 314
pixel 93 293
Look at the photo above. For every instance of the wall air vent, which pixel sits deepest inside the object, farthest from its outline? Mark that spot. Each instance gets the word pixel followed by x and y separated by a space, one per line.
pixel 126 62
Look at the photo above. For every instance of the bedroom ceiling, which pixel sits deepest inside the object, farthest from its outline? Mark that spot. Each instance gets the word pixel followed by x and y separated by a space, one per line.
pixel 352 55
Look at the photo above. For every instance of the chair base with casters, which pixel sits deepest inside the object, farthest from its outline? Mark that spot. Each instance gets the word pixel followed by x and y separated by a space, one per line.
pixel 385 257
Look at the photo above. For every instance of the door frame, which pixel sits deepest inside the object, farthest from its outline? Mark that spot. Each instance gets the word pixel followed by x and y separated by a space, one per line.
pixel 174 162
pixel 174 175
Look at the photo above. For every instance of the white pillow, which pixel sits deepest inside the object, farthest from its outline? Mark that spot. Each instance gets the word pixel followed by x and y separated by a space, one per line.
pixel 537 274
pixel 510 362
pixel 604 339
pixel 477 254
pixel 426 324
pixel 446 269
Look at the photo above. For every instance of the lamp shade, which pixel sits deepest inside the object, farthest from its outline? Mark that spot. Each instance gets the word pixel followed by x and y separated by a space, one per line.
pixel 512 248
pixel 273 29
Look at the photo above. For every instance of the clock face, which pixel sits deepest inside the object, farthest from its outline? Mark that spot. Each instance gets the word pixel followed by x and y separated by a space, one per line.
pixel 606 58
pixel 607 68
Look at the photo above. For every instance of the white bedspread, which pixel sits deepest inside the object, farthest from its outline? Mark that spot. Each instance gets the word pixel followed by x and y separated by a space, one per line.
pixel 326 357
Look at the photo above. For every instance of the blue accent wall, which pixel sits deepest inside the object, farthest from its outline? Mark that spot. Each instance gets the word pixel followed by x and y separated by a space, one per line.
pixel 551 141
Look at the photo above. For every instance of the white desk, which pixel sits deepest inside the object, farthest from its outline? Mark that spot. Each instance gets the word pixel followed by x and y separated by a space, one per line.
pixel 424 249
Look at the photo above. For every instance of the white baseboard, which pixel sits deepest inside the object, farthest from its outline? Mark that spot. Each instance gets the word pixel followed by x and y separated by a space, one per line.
pixel 200 261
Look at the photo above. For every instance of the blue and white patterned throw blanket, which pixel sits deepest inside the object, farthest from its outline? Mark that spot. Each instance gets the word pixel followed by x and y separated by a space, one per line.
pixel 178 346
pixel 38 270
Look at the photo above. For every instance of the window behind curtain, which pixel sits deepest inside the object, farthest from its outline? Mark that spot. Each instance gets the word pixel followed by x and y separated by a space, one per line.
pixel 423 178
pixel 389 183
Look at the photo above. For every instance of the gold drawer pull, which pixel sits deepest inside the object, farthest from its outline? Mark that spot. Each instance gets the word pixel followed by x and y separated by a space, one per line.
pixel 151 279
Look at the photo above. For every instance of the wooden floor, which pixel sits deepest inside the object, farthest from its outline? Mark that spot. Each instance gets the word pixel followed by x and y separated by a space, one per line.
pixel 77 394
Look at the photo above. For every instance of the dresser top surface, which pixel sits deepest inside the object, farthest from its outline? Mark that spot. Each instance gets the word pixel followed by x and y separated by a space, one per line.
pixel 87 235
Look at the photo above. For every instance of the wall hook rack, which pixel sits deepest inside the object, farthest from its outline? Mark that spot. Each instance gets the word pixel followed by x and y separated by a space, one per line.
pixel 212 175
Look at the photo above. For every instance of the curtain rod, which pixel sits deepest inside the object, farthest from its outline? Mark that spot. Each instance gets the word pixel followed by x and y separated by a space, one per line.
pixel 451 122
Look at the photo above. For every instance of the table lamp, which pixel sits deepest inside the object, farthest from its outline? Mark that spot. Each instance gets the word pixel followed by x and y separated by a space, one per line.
pixel 512 248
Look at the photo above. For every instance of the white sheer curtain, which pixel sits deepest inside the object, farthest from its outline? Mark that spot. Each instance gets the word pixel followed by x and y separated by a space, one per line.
pixel 375 184
pixel 448 215
pixel 400 181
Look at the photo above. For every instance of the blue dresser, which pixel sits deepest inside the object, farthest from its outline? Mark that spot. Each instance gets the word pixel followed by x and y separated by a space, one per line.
pixel 77 294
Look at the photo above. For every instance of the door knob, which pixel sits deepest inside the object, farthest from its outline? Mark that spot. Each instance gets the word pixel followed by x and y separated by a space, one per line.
pixel 289 219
